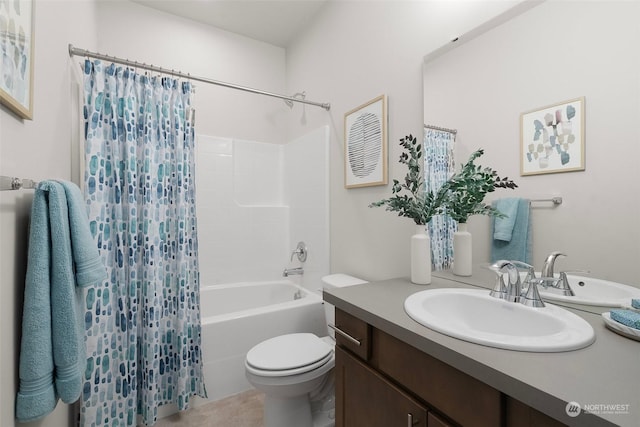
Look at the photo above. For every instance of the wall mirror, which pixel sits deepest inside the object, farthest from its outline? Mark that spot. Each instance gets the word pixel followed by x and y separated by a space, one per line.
pixel 552 52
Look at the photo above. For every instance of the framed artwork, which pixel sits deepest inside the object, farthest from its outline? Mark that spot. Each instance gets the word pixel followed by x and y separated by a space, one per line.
pixel 552 138
pixel 365 136
pixel 16 56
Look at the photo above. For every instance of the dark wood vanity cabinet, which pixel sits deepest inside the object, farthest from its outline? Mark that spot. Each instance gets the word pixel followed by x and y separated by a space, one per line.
pixel 368 399
pixel 384 382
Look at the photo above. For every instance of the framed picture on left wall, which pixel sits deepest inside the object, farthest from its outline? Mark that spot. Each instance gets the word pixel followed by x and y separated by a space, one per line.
pixel 16 56
pixel 366 145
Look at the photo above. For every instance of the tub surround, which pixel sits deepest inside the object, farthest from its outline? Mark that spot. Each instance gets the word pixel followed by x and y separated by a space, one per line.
pixel 546 382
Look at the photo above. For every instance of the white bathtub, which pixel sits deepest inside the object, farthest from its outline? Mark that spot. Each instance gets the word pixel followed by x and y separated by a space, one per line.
pixel 237 316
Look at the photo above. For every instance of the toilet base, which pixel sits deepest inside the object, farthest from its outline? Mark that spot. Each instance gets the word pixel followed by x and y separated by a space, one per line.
pixel 290 411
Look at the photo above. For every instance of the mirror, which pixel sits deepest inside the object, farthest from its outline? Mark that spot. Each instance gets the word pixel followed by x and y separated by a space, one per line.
pixel 553 52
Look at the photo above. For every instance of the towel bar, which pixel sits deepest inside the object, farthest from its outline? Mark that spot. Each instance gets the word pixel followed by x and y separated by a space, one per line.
pixel 13 183
pixel 555 200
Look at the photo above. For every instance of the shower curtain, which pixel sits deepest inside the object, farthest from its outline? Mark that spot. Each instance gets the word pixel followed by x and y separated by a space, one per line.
pixel 143 324
pixel 438 168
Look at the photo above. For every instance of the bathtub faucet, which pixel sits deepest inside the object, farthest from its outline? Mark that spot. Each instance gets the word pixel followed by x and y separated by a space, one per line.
pixel 292 271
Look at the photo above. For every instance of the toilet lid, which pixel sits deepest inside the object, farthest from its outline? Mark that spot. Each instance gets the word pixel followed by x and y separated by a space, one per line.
pixel 287 352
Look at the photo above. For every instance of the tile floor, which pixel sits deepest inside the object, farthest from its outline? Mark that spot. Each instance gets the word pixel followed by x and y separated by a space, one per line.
pixel 241 410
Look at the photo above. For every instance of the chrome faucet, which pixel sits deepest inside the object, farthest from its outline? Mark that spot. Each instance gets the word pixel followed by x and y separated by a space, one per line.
pixel 298 271
pixel 514 290
pixel 547 268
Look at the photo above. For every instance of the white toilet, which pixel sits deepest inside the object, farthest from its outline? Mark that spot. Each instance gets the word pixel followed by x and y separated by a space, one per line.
pixel 295 371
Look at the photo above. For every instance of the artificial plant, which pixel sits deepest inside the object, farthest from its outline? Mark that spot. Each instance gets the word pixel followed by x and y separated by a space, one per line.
pixel 468 188
pixel 416 203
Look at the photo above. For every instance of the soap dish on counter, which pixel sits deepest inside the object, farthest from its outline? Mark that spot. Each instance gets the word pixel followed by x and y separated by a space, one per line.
pixel 621 329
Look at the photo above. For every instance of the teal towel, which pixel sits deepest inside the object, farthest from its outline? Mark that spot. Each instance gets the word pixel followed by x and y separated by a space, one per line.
pixel 89 269
pixel 36 396
pixel 503 227
pixel 519 247
pixel 635 303
pixel 52 356
pixel 626 317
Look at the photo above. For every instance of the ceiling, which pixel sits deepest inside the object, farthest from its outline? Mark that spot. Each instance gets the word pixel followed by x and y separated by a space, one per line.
pixel 275 22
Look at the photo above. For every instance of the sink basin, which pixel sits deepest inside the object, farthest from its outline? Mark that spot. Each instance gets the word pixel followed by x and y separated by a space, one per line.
pixel 474 316
pixel 591 291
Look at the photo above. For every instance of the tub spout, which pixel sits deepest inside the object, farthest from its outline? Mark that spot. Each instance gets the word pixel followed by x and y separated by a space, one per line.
pixel 292 271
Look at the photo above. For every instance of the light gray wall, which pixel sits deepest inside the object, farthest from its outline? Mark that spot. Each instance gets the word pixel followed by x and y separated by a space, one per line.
pixel 556 51
pixel 353 52
pixel 36 149
pixel 130 30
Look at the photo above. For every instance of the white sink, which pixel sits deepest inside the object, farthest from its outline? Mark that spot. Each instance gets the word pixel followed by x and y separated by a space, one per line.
pixel 591 291
pixel 474 316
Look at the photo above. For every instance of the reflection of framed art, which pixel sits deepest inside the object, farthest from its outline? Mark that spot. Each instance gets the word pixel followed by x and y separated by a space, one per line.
pixel 552 138
pixel 365 144
pixel 16 56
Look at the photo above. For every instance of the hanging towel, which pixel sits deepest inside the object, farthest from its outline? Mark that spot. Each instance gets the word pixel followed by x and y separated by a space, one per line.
pixel 89 268
pixel 36 396
pixel 52 356
pixel 503 227
pixel 518 248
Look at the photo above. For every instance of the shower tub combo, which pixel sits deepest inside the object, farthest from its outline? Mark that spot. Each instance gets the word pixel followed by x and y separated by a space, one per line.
pixel 237 316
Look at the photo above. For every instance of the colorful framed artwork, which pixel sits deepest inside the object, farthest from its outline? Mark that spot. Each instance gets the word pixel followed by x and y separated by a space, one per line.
pixel 16 56
pixel 366 144
pixel 552 138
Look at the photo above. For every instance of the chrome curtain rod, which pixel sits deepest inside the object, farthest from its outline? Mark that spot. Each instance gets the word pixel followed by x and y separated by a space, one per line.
pixel 453 131
pixel 74 51
pixel 13 183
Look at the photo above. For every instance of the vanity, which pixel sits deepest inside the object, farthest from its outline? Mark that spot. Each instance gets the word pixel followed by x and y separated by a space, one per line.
pixel 392 371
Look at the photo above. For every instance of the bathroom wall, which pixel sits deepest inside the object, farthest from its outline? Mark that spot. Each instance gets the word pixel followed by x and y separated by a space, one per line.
pixel 353 52
pixel 36 149
pixel 130 30
pixel 482 87
pixel 255 201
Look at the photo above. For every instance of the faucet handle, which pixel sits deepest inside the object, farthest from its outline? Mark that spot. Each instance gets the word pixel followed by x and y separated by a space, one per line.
pixel 301 251
pixel 532 297
pixel 563 284
pixel 500 289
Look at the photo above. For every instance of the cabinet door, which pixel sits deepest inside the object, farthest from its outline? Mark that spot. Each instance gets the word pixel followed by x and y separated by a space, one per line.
pixel 436 421
pixel 366 399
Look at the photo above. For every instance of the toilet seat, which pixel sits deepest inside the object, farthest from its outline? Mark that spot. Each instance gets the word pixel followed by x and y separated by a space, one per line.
pixel 290 354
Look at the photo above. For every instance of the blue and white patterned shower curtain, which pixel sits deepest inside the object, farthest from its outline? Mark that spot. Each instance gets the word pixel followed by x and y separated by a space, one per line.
pixel 143 324
pixel 438 168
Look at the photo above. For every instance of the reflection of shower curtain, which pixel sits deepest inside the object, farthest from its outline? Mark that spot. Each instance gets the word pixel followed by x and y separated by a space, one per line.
pixel 438 168
pixel 143 324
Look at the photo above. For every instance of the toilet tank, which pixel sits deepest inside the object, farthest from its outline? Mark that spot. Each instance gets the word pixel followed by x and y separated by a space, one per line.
pixel 333 281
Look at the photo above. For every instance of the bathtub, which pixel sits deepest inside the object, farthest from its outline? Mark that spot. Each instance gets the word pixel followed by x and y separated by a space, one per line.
pixel 237 316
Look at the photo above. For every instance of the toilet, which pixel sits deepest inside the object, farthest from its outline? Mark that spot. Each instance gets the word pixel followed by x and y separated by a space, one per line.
pixel 295 372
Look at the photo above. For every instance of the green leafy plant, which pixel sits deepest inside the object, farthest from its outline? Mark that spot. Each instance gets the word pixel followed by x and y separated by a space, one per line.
pixel 415 203
pixel 460 197
pixel 468 188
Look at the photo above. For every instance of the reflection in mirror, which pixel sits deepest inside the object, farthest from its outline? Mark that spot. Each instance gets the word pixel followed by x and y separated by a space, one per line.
pixel 553 52
pixel 438 168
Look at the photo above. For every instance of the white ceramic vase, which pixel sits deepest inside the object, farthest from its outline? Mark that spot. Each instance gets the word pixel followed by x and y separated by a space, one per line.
pixel 421 256
pixel 462 260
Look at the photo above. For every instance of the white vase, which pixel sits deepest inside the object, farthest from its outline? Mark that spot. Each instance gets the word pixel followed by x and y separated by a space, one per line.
pixel 421 257
pixel 462 260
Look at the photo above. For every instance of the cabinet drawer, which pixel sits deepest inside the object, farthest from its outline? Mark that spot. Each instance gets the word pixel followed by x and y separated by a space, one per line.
pixel 353 334
pixel 464 399
pixel 365 398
